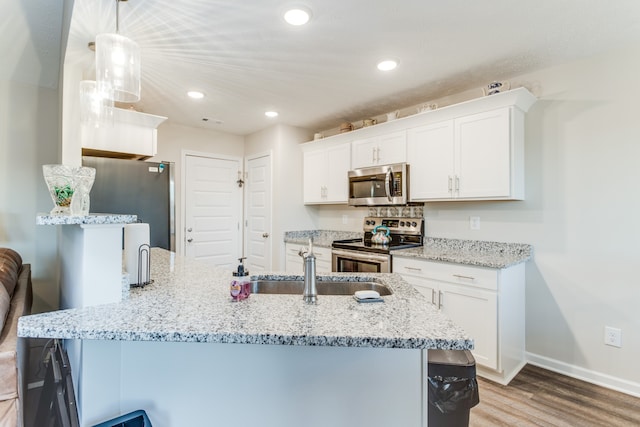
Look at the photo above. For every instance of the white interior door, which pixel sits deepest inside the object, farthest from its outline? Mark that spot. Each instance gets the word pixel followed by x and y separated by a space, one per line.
pixel 258 213
pixel 213 210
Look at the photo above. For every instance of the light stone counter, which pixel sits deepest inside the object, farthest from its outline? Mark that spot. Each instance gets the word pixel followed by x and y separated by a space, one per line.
pixel 322 238
pixel 189 302
pixel 470 252
pixel 94 218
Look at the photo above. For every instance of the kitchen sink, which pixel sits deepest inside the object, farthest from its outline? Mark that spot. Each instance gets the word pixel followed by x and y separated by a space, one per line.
pixel 324 287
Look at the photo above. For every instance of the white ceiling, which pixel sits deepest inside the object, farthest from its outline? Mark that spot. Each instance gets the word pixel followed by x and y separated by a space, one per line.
pixel 247 60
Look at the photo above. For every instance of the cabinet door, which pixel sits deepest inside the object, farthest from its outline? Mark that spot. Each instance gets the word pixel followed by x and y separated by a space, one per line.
pixel 339 162
pixel 323 259
pixel 293 261
pixel 476 311
pixel 483 154
pixel 392 148
pixel 364 153
pixel 430 153
pixel 380 150
pixel 314 175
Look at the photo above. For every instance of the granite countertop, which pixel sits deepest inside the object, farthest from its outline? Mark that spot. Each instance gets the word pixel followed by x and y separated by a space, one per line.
pixel 322 238
pixel 189 302
pixel 94 218
pixel 470 252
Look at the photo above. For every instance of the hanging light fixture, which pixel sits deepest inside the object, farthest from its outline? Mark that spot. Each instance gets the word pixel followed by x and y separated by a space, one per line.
pixel 95 108
pixel 118 64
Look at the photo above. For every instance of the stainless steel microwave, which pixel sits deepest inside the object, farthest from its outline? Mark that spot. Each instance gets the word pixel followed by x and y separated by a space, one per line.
pixel 379 185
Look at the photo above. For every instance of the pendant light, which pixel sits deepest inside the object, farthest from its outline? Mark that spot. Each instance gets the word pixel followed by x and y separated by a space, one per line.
pixel 96 108
pixel 118 64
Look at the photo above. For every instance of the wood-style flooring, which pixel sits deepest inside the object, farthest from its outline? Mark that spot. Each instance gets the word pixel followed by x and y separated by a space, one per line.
pixel 537 397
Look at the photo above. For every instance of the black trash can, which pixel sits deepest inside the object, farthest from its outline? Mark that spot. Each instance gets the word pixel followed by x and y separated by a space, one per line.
pixel 453 387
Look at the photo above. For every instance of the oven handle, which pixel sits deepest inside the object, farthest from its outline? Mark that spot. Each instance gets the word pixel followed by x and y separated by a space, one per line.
pixel 361 256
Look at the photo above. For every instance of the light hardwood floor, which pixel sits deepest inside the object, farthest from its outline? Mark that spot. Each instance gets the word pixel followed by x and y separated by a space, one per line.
pixel 537 397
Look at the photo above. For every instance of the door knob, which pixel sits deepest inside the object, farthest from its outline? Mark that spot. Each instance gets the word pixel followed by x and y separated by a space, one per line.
pixel 265 235
pixel 189 240
pixel 189 229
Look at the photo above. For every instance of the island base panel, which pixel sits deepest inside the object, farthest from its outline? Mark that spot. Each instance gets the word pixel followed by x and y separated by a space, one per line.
pixel 249 385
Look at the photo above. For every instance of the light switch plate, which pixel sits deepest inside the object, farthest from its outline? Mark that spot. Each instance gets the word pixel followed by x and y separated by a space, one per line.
pixel 474 222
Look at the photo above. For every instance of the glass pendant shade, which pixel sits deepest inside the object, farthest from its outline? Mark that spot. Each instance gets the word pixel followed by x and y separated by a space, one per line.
pixel 96 108
pixel 118 67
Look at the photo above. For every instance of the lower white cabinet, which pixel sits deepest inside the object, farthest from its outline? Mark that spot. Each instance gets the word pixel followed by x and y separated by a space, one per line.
pixel 487 303
pixel 294 263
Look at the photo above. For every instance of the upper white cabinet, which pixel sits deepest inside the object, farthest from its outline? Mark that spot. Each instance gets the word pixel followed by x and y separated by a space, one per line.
pixel 475 157
pixel 379 150
pixel 133 135
pixel 325 171
pixel 473 150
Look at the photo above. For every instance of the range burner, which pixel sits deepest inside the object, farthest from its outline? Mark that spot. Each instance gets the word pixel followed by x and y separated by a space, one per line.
pixel 404 233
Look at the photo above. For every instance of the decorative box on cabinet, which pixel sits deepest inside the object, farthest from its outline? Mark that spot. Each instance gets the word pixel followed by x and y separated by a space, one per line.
pixel 325 174
pixel 379 150
pixel 489 304
pixel 475 157
pixel 294 263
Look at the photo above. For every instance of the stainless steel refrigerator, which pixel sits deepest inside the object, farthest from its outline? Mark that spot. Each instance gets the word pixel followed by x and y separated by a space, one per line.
pixel 146 189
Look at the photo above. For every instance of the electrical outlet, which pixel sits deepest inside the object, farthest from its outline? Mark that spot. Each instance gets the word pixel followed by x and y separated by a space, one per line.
pixel 612 336
pixel 474 222
pixel 345 219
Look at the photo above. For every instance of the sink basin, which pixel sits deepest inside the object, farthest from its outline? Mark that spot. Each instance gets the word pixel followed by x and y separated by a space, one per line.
pixel 324 287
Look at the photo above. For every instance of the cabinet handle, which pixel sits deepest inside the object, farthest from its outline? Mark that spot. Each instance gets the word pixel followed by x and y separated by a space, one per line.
pixel 460 276
pixel 440 298
pixel 373 155
pixel 378 154
pixel 433 296
pixel 457 183
pixel 412 268
pixel 450 183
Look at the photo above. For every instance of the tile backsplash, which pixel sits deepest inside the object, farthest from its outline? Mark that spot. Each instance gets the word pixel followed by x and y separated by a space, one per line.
pixel 397 211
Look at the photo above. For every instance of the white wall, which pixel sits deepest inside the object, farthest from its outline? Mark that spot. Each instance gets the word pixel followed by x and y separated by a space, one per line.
pixel 288 211
pixel 174 139
pixel 29 138
pixel 582 199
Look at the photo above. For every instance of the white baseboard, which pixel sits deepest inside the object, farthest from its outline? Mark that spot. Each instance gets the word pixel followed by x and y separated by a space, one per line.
pixel 597 378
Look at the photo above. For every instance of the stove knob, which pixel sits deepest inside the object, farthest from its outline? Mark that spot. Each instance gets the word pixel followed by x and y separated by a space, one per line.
pixel 414 224
pixel 373 222
pixel 401 223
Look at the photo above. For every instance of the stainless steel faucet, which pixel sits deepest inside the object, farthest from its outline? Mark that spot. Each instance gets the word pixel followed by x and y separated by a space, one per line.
pixel 310 294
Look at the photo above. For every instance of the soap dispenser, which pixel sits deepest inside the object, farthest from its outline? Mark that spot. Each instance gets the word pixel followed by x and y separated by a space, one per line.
pixel 240 284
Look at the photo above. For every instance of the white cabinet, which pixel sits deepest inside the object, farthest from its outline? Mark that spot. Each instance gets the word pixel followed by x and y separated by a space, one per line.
pixel 474 157
pixel 487 303
pixel 294 263
pixel 133 135
pixel 325 174
pixel 379 150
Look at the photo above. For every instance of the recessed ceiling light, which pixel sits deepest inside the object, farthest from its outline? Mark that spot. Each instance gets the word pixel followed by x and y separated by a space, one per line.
pixel 387 65
pixel 271 114
pixel 195 94
pixel 297 16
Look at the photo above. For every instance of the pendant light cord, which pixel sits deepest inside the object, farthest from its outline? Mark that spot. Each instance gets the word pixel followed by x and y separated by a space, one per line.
pixel 117 16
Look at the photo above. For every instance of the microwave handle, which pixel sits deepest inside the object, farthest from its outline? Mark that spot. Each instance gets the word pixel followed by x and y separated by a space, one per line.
pixel 387 184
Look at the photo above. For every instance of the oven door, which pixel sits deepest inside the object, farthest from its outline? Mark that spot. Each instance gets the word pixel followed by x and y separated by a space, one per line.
pixel 359 262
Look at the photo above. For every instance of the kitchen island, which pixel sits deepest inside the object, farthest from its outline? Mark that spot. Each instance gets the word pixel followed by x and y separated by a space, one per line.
pixel 166 349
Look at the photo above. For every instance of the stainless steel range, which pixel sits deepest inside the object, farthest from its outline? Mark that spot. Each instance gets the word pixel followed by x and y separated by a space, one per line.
pixel 382 236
